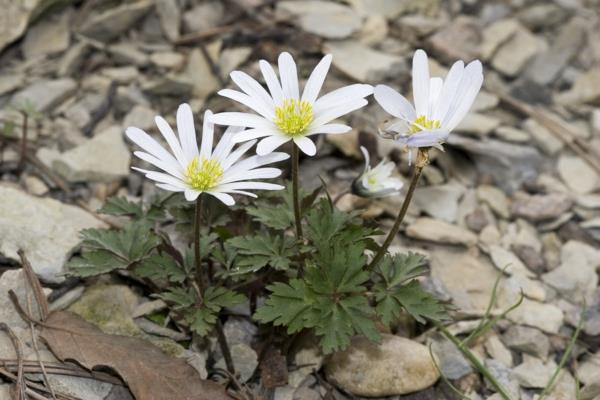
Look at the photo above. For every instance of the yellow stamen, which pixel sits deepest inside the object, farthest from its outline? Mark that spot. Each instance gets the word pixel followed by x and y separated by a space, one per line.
pixel 203 174
pixel 293 117
pixel 422 123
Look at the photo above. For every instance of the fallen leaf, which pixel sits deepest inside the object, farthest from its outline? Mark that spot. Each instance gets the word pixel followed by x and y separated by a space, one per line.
pixel 149 373
pixel 273 370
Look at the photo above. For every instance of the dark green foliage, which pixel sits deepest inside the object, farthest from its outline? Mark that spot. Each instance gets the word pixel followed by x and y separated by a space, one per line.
pixel 256 252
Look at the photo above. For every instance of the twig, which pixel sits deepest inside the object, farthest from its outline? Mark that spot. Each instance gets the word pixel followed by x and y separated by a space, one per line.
pixel 206 34
pixel 35 386
pixel 20 382
pixel 35 285
pixel 224 347
pixel 61 369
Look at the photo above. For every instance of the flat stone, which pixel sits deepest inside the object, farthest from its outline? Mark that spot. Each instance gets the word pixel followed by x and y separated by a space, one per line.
pixel 307 355
pixel 204 16
pixel 198 72
pixel 45 95
pixel 478 124
pixel 363 63
pixel 450 359
pixel 578 174
pixel 484 101
pixel 498 351
pixel 497 34
pixel 496 199
pixel 467 279
pixel 547 317
pixel 505 376
pixel 459 40
pixel 167 59
pixel 505 260
pixel 543 138
pixel 245 360
pixel 49 238
pixel 128 54
pixel 528 340
pixel 440 201
pixel 588 372
pixel 565 387
pixel 586 89
pixel 82 388
pixel 511 134
pixel 169 15
pixel 10 82
pixel 16 281
pixel 515 53
pixel 328 20
pixel 542 15
pixel 104 158
pixel 534 373
pixel 15 17
pixel 48 36
pixel 540 207
pixel 141 117
pixel 115 21
pixel 393 367
pixel 440 232
pixel 232 58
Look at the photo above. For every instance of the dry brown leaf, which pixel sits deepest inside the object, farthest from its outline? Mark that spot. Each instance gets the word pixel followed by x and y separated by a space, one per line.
pixel 149 373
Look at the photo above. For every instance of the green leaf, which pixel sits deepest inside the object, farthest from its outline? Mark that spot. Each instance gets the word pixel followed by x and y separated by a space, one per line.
pixel 201 319
pixel 256 252
pixel 276 216
pixel 179 298
pixel 324 221
pixel 289 305
pixel 121 206
pixel 161 267
pixel 105 250
pixel 399 290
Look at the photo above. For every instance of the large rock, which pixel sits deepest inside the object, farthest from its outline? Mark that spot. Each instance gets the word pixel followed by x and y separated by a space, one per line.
pixel 45 95
pixel 440 232
pixel 328 20
pixel 104 158
pixel 393 367
pixel 46 229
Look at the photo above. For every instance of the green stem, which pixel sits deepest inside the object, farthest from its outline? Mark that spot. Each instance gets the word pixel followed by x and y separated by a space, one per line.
pixel 197 255
pixel 475 361
pixel 422 161
pixel 295 178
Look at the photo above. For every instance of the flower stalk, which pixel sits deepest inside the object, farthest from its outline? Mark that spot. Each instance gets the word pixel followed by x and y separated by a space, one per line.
pixel 295 194
pixel 422 161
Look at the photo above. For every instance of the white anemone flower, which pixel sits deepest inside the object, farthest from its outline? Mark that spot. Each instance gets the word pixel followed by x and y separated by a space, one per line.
pixel 219 172
pixel 284 115
pixel 377 181
pixel 439 104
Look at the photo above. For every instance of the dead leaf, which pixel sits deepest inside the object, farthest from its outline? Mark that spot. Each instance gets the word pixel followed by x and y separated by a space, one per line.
pixel 149 373
pixel 273 369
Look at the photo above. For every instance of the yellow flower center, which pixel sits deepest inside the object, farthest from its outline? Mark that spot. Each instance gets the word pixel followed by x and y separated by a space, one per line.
pixel 293 116
pixel 203 174
pixel 422 123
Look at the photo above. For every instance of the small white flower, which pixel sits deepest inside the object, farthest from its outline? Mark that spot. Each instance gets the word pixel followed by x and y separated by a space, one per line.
pixel 440 104
pixel 217 172
pixel 378 181
pixel 283 114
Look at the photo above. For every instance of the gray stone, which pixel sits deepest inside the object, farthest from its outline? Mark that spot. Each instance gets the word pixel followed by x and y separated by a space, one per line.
pixel 516 52
pixel 170 18
pixel 104 158
pixel 128 54
pixel 15 17
pixel 540 207
pixel 528 340
pixel 115 21
pixel 440 201
pixel 544 139
pixel 45 95
pixel 485 101
pixel 586 89
pixel 328 20
pixel 458 40
pixel 395 366
pixel 141 117
pixel 547 317
pixel 362 63
pixel 240 330
pixel 167 59
pixel 505 376
pixel 511 134
pixel 588 372
pixel 498 351
pixel 497 34
pixel 478 124
pixel 534 373
pixel 440 232
pixel 82 388
pixel 16 281
pixel 49 238
pixel 578 174
pixel 198 72
pixel 123 75
pixel 48 36
pixel 10 82
pixel 542 15
pixel 204 16
pixel 245 360
pixel 495 198
pixel 231 58
pixel 450 360
pixel 506 261
pixel 308 357
pixel 73 58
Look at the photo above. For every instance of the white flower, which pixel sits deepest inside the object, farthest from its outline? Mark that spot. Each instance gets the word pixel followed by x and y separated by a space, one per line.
pixel 217 172
pixel 378 181
pixel 283 114
pixel 440 104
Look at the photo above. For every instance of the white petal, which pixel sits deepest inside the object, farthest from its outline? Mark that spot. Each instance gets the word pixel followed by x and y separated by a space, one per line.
pixel 241 192
pixel 254 133
pixel 329 128
pixel 435 89
pixel 191 195
pixel 426 138
pixel 208 133
pixel 226 143
pixel 288 75
pixel 240 119
pixel 337 111
pixel 448 91
pixel 267 145
pixel 247 101
pixel 272 81
pixel 233 157
pixel 316 79
pixel 394 103
pixel 306 145
pixel 187 131
pixel 224 197
pixel 342 95
pixel 258 161
pixel 169 135
pixel 170 188
pixel 468 93
pixel 249 186
pixel 165 178
pixel 367 158
pixel 151 146
pixel 256 92
pixel 258 173
pixel 172 169
pixel 420 76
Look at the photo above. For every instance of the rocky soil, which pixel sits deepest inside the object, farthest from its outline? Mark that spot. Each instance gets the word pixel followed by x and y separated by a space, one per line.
pixel 516 193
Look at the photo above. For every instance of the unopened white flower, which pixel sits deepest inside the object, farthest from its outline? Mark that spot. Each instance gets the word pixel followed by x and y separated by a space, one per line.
pixel 378 181
pixel 219 172
pixel 283 114
pixel 439 104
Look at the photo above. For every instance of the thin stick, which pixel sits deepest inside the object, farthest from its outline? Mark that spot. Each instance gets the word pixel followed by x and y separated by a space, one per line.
pixel 224 347
pixel 197 255
pixel 20 381
pixel 422 161
pixel 34 282
pixel 297 217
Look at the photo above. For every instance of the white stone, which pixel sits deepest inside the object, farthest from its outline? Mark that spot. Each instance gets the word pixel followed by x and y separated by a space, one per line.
pixel 543 138
pixel 440 201
pixel 534 373
pixel 440 232
pixel 577 174
pixel 507 261
pixel 325 19
pixel 515 53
